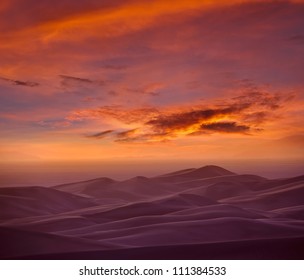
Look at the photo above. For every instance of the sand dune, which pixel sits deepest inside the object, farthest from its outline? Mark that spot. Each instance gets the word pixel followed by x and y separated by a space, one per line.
pixel 260 249
pixel 208 207
pixel 201 213
pixel 280 183
pixel 51 224
pixel 35 201
pixel 294 212
pixel 143 186
pixel 155 207
pixel 271 199
pixel 247 181
pixel 89 187
pixel 198 231
pixel 208 171
pixel 16 242
pixel 224 189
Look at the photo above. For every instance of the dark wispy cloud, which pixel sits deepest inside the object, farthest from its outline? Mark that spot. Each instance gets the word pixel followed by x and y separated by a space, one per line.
pixel 71 81
pixel 297 39
pixel 77 79
pixel 126 134
pixel 140 91
pixel 138 136
pixel 100 135
pixel 262 99
pixel 149 89
pixel 256 117
pixel 20 83
pixel 127 116
pixel 228 127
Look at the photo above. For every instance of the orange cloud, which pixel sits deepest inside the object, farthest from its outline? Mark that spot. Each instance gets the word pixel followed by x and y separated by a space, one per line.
pixel 119 113
pixel 73 22
pixel 242 114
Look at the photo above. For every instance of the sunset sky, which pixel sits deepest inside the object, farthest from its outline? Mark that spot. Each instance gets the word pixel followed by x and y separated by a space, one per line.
pixel 150 81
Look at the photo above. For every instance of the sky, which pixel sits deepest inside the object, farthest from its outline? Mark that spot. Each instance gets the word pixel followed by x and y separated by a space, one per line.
pixel 152 83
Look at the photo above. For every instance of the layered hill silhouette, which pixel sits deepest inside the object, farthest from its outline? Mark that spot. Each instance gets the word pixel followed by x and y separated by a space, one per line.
pixel 198 213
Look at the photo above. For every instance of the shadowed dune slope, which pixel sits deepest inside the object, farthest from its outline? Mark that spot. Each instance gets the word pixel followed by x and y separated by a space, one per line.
pixel 35 201
pixel 272 198
pixel 197 231
pixel 86 187
pixel 155 207
pixel 16 242
pixel 262 249
pixel 203 172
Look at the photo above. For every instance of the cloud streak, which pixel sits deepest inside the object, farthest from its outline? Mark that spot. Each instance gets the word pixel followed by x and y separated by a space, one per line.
pixel 150 89
pixel 100 135
pixel 71 81
pixel 244 114
pixel 299 39
pixel 20 83
pixel 226 127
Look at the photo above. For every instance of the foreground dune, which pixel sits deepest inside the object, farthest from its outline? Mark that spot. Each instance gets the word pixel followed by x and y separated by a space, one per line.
pixel 16 243
pixel 262 249
pixel 204 213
